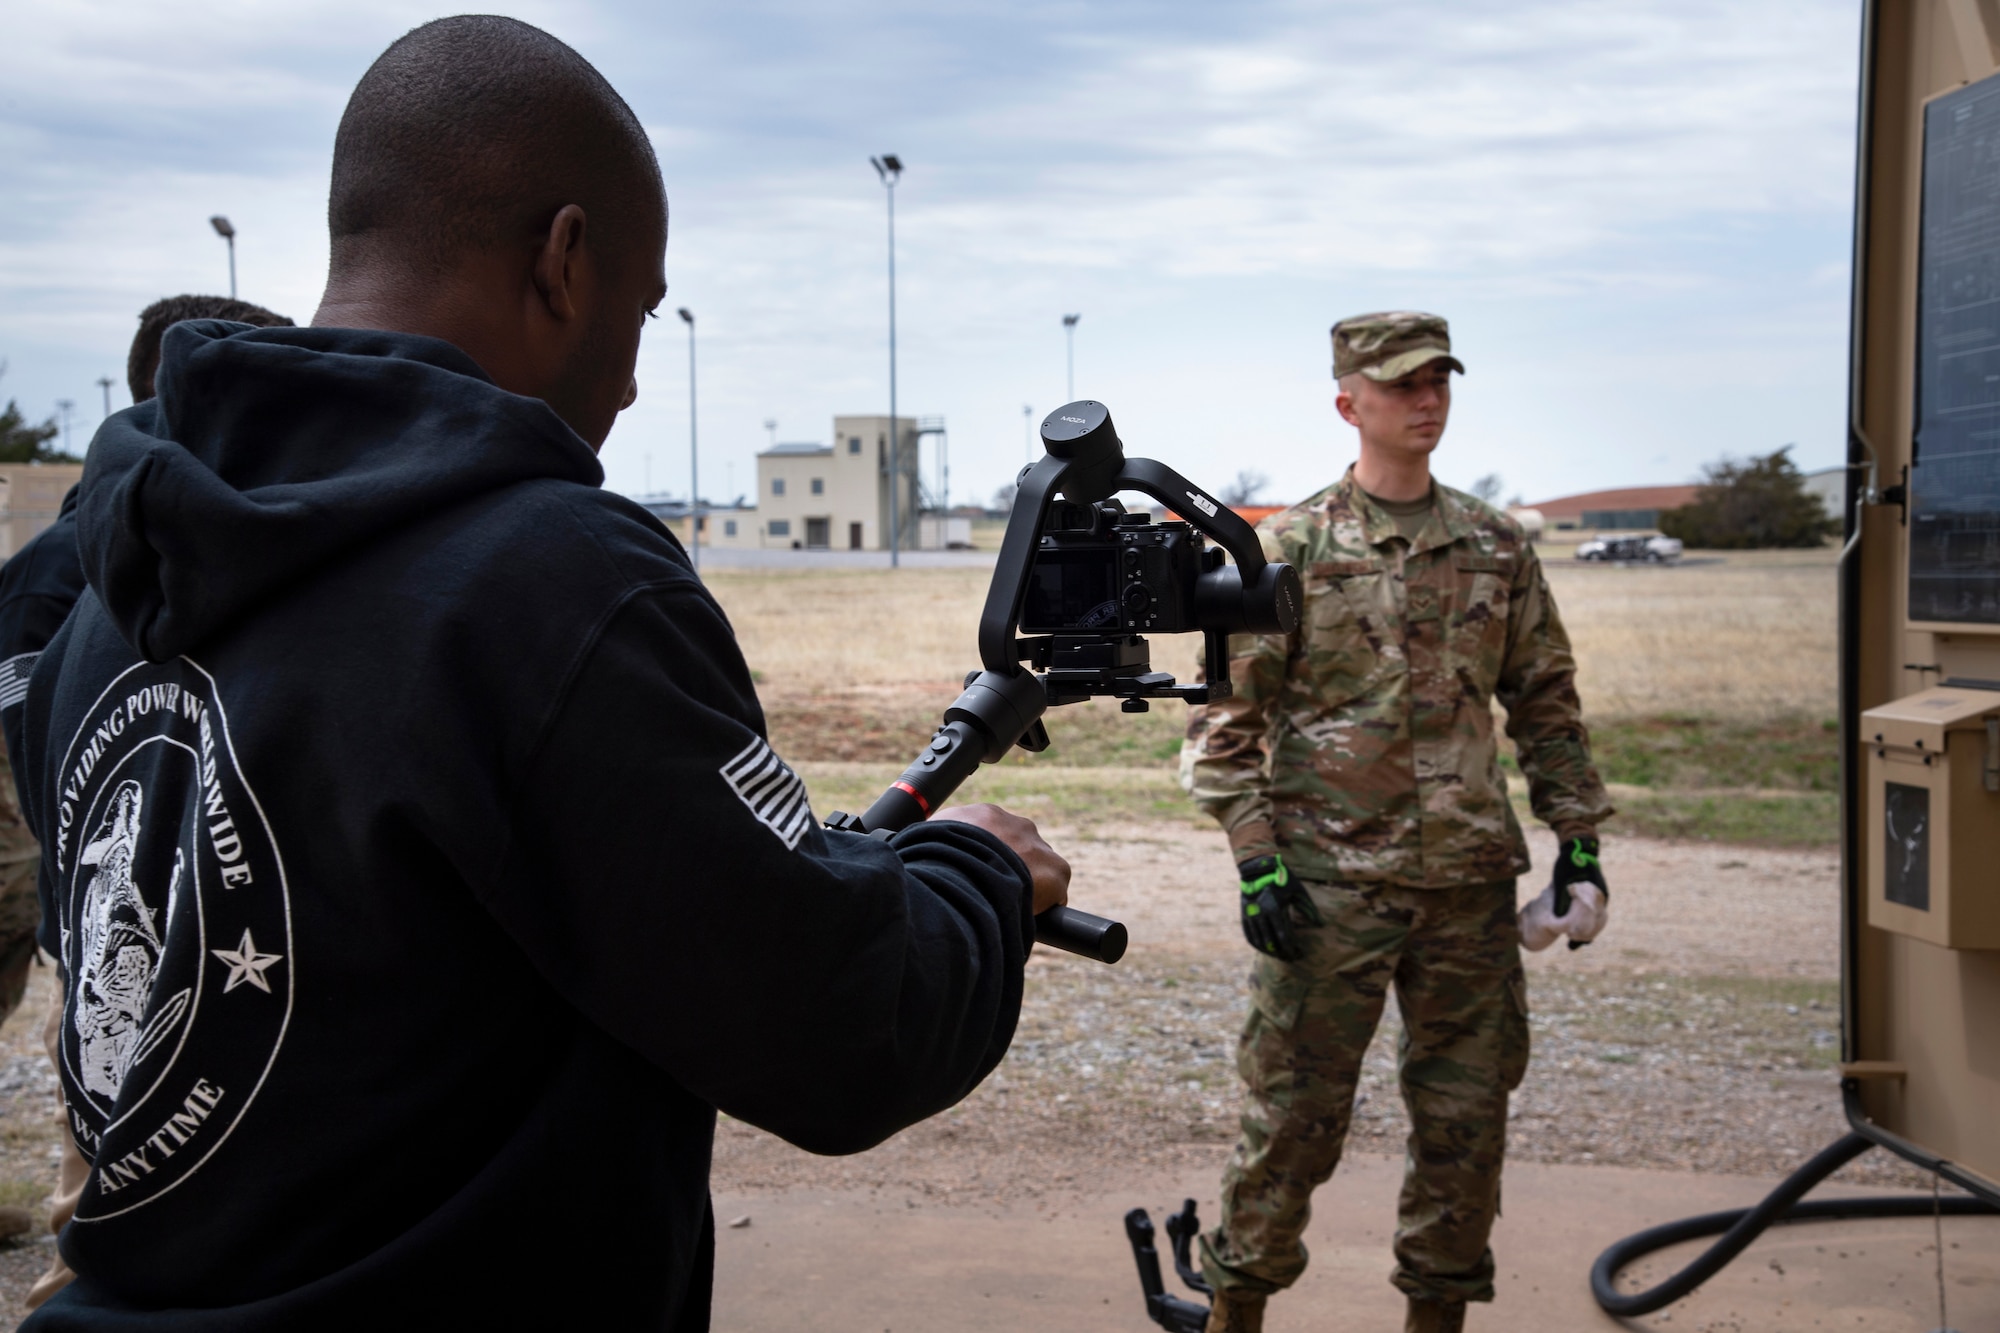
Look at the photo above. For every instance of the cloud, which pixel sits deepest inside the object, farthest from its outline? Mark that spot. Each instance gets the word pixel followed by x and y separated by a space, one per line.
pixel 1611 202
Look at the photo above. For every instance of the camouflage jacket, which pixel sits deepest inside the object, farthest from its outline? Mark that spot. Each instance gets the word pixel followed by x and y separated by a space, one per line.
pixel 1362 744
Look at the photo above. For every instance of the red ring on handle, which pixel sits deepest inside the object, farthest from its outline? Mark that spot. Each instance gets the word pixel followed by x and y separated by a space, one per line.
pixel 915 795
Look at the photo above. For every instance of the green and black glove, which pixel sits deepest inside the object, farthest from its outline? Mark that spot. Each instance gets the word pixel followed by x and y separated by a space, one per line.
pixel 1577 863
pixel 1273 902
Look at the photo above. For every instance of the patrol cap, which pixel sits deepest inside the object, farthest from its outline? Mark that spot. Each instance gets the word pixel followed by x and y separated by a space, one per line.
pixel 1390 344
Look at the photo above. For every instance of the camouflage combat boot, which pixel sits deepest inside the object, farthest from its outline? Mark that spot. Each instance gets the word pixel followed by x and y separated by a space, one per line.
pixel 1236 1312
pixel 1434 1317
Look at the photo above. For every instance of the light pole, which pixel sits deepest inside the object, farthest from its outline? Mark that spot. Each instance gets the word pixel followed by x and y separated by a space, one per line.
pixel 104 383
pixel 694 460
pixel 890 167
pixel 1069 332
pixel 65 406
pixel 1027 434
pixel 227 233
pixel 771 425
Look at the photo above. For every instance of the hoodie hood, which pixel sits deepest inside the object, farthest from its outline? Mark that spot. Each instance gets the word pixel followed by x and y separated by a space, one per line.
pixel 270 453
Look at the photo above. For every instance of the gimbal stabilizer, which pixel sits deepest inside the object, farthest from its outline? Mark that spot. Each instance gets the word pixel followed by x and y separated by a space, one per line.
pixel 1080 557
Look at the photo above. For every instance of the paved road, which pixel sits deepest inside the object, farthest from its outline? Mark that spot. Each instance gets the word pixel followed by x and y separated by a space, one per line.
pixel 756 558
pixel 864 1261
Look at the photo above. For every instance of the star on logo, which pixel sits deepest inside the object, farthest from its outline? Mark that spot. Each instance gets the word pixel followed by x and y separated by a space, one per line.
pixel 246 964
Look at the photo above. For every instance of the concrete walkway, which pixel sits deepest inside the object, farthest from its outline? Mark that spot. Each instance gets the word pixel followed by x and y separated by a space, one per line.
pixel 866 1261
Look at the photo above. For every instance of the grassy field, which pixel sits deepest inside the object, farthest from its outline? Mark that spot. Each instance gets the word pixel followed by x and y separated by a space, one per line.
pixel 1708 687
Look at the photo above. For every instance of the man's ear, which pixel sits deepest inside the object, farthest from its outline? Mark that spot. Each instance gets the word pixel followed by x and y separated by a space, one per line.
pixel 557 261
pixel 1343 403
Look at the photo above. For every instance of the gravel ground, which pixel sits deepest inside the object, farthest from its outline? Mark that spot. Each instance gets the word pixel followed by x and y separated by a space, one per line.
pixel 30 1137
pixel 1115 1067
pixel 1699 1034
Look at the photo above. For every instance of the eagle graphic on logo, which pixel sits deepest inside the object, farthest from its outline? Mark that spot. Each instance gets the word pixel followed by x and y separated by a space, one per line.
pixel 119 953
pixel 174 914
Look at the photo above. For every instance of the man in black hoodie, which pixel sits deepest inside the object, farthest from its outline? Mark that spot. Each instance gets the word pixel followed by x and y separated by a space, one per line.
pixel 39 586
pixel 413 854
pixel 39 583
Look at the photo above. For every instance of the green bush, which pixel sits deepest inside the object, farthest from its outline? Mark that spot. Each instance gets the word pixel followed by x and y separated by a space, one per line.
pixel 23 443
pixel 1761 502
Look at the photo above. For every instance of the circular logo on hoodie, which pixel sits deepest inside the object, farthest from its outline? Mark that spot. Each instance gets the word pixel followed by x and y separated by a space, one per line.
pixel 175 931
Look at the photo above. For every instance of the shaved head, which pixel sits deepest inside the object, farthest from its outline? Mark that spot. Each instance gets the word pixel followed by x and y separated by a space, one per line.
pixel 468 134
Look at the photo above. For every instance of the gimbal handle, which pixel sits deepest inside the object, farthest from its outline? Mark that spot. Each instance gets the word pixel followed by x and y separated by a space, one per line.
pixel 981 726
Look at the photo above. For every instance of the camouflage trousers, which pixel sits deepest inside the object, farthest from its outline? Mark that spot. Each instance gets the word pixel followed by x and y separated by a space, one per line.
pixel 20 918
pixel 1454 958
pixel 20 909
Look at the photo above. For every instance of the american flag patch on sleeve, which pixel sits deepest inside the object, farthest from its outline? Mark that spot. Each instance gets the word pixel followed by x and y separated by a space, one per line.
pixel 772 791
pixel 14 673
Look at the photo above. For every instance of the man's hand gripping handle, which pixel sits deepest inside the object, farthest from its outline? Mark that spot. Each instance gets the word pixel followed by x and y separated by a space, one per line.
pixel 985 721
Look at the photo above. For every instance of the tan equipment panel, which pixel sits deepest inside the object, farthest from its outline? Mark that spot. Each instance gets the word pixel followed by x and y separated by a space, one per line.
pixel 1934 807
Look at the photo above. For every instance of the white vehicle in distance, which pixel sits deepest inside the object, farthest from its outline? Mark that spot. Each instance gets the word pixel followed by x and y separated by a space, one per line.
pixel 1631 550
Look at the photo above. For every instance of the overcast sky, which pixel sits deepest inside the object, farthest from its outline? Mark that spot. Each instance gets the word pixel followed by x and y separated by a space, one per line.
pixel 1635 215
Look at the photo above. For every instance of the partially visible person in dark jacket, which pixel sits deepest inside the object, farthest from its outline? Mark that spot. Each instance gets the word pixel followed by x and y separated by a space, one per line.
pixel 39 585
pixel 142 363
pixel 41 582
pixel 415 858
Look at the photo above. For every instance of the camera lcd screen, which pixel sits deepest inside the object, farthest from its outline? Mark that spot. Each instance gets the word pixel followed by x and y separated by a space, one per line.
pixel 1071 590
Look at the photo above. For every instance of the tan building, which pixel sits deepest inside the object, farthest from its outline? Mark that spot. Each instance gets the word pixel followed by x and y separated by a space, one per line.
pixel 836 496
pixel 721 525
pixel 31 496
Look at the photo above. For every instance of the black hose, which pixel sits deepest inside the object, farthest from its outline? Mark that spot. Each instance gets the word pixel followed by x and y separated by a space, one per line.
pixel 1739 1226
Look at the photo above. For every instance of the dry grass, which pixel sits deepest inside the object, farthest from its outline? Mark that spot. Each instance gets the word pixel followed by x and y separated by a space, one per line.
pixel 806 631
pixel 1743 636
pixel 1710 683
pixel 1746 636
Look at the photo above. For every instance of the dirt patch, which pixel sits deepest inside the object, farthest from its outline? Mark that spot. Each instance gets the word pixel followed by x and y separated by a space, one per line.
pixel 1699 1034
pixel 1679 909
pixel 882 725
pixel 1115 1069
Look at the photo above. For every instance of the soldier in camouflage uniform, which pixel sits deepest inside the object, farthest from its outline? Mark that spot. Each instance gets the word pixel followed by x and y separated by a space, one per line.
pixel 20 910
pixel 1357 774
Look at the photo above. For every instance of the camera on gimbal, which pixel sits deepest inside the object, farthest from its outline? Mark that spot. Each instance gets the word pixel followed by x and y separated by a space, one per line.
pixel 1101 576
pixel 1100 568
pixel 1079 579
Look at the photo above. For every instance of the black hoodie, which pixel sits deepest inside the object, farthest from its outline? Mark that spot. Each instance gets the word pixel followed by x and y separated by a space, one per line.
pixel 422 880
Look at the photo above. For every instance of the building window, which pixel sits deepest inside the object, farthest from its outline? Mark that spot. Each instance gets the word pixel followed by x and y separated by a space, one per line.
pixel 819 486
pixel 854 444
pixel 1617 519
pixel 729 527
pixel 777 485
pixel 781 527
